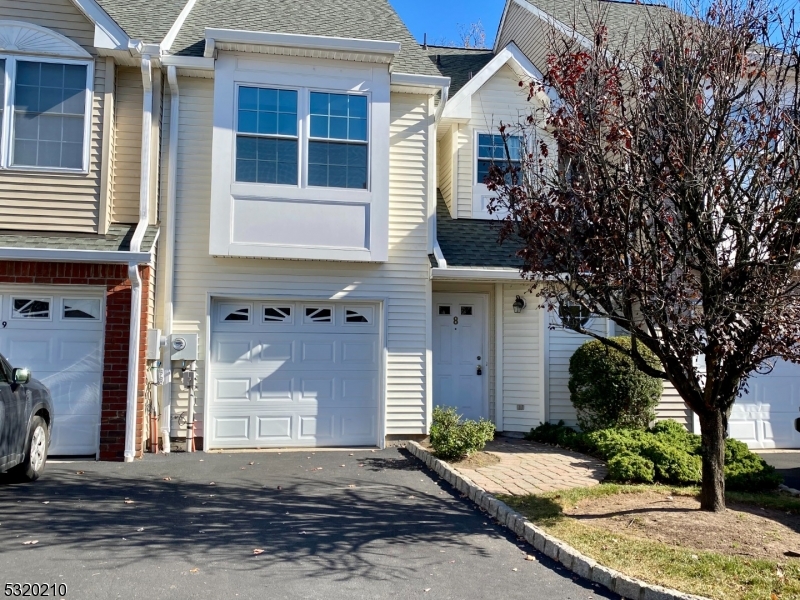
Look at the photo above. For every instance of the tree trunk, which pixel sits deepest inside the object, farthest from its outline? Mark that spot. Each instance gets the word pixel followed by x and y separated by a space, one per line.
pixel 713 428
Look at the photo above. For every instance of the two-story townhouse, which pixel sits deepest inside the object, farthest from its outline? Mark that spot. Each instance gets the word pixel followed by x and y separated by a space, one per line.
pixel 80 103
pixel 764 415
pixel 297 141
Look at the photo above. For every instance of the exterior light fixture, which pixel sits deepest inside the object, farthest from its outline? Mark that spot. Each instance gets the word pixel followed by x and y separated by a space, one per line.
pixel 519 304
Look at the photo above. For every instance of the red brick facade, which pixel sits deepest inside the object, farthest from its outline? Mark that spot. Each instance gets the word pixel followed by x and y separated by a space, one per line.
pixel 117 332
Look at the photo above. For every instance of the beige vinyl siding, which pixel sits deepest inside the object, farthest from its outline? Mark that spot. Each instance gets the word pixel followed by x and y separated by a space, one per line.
pixel 127 157
pixel 61 16
pixel 672 407
pixel 488 289
pixel 522 356
pixel 463 198
pixel 45 201
pixel 402 281
pixel 528 32
pixel 444 161
pixel 498 101
pixel 562 344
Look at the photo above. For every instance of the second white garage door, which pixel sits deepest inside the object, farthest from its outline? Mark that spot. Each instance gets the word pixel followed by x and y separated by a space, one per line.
pixel 294 374
pixel 57 332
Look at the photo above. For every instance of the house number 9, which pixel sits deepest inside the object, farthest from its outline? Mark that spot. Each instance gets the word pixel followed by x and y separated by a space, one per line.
pixel 455 320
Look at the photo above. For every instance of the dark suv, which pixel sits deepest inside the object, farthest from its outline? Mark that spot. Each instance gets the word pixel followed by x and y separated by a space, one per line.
pixel 26 419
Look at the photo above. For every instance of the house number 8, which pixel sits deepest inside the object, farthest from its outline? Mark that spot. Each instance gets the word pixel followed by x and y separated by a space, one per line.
pixel 455 320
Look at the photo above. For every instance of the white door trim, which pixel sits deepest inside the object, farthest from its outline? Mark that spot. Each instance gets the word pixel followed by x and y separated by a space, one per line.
pixel 483 300
pixel 381 302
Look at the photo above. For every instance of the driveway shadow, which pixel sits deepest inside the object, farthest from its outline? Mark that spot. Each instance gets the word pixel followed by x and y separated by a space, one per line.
pixel 328 525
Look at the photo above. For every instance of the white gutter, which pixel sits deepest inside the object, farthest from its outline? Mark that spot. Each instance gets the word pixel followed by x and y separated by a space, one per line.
pixel 133 268
pixel 169 243
pixel 475 273
pixel 197 63
pixel 443 102
pixel 88 256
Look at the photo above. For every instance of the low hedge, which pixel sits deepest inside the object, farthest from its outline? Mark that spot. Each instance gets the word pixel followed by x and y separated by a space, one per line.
pixel 665 453
pixel 453 438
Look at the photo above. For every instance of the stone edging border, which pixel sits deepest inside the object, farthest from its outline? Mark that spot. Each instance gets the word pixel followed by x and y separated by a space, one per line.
pixel 569 557
pixel 788 490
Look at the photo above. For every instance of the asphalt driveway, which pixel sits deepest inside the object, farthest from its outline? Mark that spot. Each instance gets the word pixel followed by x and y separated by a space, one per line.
pixel 787 462
pixel 331 525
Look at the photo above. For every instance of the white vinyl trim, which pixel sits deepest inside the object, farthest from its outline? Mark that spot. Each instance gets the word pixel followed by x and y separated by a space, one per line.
pixel 169 39
pixel 107 33
pixel 475 273
pixel 7 139
pixel 418 81
pixel 50 255
pixel 499 377
pixel 293 40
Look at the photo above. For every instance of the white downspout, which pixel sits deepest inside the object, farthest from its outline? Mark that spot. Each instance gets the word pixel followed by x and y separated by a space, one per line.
pixel 169 249
pixel 133 268
pixel 437 250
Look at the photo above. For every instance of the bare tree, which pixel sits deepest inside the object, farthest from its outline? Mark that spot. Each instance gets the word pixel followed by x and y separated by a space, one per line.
pixel 469 36
pixel 472 35
pixel 663 191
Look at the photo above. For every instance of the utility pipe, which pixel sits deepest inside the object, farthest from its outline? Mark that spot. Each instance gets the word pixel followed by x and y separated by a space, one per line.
pixel 169 250
pixel 133 268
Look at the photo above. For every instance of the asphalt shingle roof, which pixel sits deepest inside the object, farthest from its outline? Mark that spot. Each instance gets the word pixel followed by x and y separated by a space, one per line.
pixel 627 22
pixel 459 64
pixel 144 19
pixel 360 19
pixel 473 242
pixel 118 239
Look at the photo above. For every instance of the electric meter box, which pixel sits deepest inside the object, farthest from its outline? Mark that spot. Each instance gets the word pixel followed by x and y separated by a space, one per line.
pixel 183 346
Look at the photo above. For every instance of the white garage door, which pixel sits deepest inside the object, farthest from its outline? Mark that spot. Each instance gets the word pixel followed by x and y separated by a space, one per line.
pixel 764 417
pixel 294 374
pixel 58 334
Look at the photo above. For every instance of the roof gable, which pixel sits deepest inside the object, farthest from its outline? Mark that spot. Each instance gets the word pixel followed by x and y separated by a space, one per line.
pixel 460 104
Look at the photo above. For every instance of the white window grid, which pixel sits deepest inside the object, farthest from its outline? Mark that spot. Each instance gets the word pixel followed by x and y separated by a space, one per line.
pixel 7 120
pixel 304 131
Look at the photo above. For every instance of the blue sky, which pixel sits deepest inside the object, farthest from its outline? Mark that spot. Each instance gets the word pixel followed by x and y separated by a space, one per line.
pixel 440 19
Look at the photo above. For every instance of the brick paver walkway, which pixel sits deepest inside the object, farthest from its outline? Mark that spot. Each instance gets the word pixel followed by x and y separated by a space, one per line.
pixel 531 468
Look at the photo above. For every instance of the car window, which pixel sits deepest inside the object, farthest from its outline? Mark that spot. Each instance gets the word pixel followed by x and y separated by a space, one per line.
pixel 5 371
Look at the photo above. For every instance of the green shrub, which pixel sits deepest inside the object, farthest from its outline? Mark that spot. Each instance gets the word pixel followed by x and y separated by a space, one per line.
pixel 608 390
pixel 666 453
pixel 631 468
pixel 453 438
pixel 746 471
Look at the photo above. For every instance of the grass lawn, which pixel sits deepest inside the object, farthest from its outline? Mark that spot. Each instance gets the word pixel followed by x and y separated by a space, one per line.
pixel 676 560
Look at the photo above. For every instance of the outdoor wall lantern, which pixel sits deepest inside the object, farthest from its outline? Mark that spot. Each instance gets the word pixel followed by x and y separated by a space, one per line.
pixel 519 304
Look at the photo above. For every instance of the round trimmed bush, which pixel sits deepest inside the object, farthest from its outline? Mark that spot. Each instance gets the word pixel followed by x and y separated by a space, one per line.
pixel 453 438
pixel 609 391
pixel 631 467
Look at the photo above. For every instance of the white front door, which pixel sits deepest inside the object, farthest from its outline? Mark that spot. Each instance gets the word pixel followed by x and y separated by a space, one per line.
pixel 57 332
pixel 459 353
pixel 294 374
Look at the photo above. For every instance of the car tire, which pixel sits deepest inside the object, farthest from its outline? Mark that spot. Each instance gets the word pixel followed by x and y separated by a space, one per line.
pixel 36 446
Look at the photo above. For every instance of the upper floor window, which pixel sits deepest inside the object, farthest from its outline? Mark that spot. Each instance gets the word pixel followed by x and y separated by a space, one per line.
pixel 271 135
pixel 267 140
pixel 337 147
pixel 492 150
pixel 45 105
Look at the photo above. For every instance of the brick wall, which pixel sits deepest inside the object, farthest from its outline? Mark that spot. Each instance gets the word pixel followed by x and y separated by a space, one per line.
pixel 117 331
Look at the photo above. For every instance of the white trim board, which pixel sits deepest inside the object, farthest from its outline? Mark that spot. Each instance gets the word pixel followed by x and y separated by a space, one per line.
pixel 476 273
pixel 107 33
pixel 91 256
